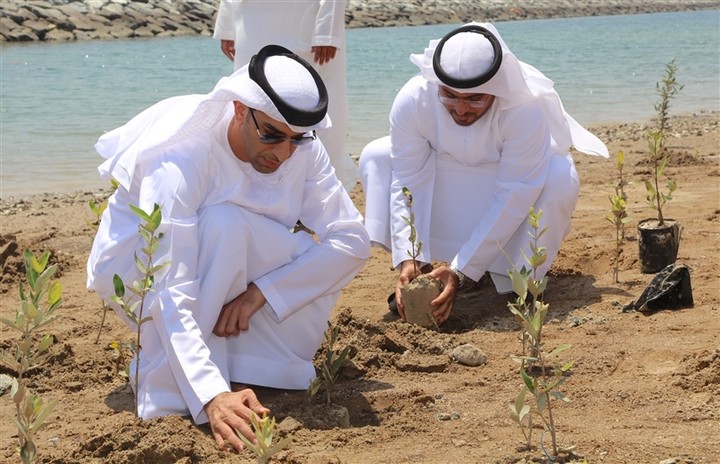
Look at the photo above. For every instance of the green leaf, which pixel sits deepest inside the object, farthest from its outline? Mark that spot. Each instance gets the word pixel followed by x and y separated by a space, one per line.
pixel 9 323
pixel 45 342
pixel 566 367
pixel 558 350
pixel 17 391
pixel 529 384
pixel 520 401
pixel 39 421
pixel 119 286
pixel 560 396
pixel 541 402
pixel 140 213
pixel 662 165
pixel 55 293
pixel 650 188
pixel 28 452
pixel 519 282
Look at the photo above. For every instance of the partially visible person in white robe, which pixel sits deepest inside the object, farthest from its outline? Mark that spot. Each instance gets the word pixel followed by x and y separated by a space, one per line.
pixel 477 147
pixel 315 31
pixel 244 299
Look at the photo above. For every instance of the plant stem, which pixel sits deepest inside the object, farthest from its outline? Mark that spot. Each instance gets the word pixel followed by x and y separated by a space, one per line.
pixel 551 424
pixel 102 322
pixel 658 155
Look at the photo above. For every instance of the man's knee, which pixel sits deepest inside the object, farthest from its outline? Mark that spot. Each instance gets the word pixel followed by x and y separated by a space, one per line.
pixel 563 184
pixel 374 153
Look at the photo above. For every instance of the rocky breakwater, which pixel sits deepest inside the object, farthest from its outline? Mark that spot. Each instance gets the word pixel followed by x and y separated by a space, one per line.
pixel 31 20
pixel 39 20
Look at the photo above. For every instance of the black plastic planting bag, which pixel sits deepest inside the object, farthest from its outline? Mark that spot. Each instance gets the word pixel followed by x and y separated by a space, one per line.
pixel 669 289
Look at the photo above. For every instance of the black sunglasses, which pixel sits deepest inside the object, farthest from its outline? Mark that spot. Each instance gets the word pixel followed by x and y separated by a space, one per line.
pixel 275 139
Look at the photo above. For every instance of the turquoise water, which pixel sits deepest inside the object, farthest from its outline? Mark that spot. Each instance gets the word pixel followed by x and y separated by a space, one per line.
pixel 56 99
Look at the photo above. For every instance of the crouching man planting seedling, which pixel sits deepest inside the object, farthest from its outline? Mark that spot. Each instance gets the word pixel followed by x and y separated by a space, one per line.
pixel 243 299
pixel 478 137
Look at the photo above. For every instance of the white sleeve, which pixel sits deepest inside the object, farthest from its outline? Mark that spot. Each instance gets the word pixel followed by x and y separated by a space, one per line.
pixel 224 24
pixel 343 248
pixel 413 166
pixel 524 163
pixel 330 24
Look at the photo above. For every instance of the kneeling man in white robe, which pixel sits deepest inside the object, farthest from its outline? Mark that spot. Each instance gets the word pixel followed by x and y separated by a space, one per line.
pixel 478 137
pixel 244 299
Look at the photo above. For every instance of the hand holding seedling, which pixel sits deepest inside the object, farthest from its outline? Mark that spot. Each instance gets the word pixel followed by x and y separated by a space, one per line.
pixel 446 299
pixel 235 316
pixel 409 270
pixel 232 411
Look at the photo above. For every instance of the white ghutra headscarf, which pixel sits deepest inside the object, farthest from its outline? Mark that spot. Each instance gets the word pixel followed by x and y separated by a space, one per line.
pixel 276 82
pixel 466 63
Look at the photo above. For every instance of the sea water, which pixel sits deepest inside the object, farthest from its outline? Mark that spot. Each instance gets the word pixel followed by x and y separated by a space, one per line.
pixel 56 99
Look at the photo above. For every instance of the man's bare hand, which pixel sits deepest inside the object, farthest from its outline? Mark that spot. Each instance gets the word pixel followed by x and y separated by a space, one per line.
pixel 235 316
pixel 232 411
pixel 408 272
pixel 323 54
pixel 446 299
pixel 228 48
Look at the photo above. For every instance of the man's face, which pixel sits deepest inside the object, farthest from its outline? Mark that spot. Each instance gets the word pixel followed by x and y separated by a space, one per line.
pixel 465 108
pixel 262 141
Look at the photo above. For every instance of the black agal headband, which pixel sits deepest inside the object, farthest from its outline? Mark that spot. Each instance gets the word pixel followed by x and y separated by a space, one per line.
pixel 475 81
pixel 293 115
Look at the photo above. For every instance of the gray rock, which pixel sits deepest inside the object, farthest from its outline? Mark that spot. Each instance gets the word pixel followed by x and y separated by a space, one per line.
pixel 469 355
pixel 6 382
pixel 189 17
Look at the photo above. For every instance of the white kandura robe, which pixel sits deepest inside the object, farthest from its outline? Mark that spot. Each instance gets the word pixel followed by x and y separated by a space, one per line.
pixel 227 225
pixel 472 186
pixel 298 25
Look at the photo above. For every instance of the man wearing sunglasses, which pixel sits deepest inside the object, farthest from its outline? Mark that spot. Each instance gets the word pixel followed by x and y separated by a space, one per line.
pixel 479 138
pixel 243 300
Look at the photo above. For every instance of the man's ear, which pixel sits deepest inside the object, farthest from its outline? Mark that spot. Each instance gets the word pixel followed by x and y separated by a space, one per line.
pixel 240 110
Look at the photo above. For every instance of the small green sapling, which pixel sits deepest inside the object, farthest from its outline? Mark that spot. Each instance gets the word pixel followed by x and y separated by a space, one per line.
pixel 330 367
pixel 539 379
pixel 31 350
pixel 264 429
pixel 133 305
pixel 668 89
pixel 415 244
pixel 618 213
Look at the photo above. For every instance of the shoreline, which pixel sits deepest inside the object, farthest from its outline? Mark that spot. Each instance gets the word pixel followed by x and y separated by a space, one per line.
pixel 23 21
pixel 680 126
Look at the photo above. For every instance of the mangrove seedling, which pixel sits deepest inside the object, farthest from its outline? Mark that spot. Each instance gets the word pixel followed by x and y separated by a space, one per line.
pixel 618 213
pixel 668 89
pixel 539 379
pixel 331 364
pixel 617 217
pixel 264 429
pixel 415 244
pixel 133 305
pixel 98 208
pixel 620 185
pixel 37 309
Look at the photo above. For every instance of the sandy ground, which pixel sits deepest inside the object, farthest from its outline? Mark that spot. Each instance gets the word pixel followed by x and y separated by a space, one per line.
pixel 644 387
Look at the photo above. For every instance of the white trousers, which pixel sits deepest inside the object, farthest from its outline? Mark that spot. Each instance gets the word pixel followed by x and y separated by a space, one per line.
pixel 452 227
pixel 237 247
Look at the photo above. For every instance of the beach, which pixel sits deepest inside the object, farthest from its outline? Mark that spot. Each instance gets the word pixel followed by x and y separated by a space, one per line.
pixel 644 387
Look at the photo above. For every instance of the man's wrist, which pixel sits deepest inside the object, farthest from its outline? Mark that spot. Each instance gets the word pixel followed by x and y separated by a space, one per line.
pixel 463 280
